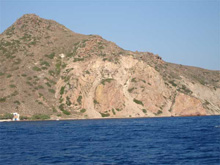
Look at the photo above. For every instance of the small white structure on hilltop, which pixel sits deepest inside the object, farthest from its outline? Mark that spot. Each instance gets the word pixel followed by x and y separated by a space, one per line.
pixel 16 116
pixel 62 55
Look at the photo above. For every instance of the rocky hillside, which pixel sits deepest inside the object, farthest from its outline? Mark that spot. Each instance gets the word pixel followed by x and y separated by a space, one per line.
pixel 46 68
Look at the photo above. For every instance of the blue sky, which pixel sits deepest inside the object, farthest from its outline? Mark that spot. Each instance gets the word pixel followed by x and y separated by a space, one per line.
pixel 181 31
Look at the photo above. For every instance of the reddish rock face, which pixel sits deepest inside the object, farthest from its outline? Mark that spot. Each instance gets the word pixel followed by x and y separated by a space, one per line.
pixel 108 96
pixel 187 106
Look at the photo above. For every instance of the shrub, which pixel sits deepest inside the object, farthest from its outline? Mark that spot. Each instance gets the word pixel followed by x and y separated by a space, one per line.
pixel 70 54
pixel 66 78
pixel 51 90
pixel 3 99
pixel 29 83
pixel 61 99
pixel 105 114
pixel 40 87
pixel 117 109
pixel 95 101
pixel 138 102
pixel 113 111
pixel 35 68
pixel 185 90
pixel 144 110
pixel 44 63
pixel 51 81
pixel 64 65
pixel 78 59
pixel 58 67
pixel 33 43
pixel 40 117
pixel 68 102
pixel 159 112
pixel 54 109
pixel 62 90
pixel 6 116
pixel 130 90
pixel 106 80
pixel 83 110
pixel 51 72
pixel 61 107
pixel 24 118
pixel 101 47
pixel 9 75
pixel 12 86
pixel 173 83
pixel 66 112
pixel 48 84
pixel 44 68
pixel 39 102
pixel 51 56
pixel 14 93
pixel 79 99
pixel 133 80
pixel 206 102
pixel 17 102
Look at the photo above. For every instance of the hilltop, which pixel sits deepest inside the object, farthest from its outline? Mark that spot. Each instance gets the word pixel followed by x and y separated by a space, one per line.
pixel 47 69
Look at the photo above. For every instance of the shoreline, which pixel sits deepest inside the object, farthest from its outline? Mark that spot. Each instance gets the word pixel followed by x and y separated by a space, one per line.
pixel 68 119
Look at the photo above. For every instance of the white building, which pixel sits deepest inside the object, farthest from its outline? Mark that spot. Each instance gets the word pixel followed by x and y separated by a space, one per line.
pixel 16 116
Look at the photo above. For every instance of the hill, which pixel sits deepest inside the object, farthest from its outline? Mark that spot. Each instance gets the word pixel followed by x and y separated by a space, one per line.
pixel 47 69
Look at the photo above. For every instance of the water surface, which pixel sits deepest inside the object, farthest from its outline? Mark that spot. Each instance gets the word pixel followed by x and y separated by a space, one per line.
pixel 179 140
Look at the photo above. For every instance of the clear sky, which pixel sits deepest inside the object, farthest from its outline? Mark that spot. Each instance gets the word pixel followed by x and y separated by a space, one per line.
pixel 181 31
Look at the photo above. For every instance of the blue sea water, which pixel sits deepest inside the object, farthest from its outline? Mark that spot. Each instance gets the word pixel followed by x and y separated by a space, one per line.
pixel 173 140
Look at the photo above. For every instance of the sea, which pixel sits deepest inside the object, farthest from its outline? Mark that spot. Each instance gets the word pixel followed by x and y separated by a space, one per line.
pixel 169 140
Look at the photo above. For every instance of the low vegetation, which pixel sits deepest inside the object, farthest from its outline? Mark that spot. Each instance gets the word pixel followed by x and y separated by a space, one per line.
pixel 79 100
pixel 108 80
pixel 50 56
pixel 138 102
pixel 24 118
pixel 117 109
pixel 12 86
pixel 173 83
pixel 159 112
pixel 106 114
pixel 95 101
pixel 113 111
pixel 6 116
pixel 68 102
pixel 130 89
pixel 78 59
pixel 40 117
pixel 62 90
pixel 133 80
pixel 35 68
pixel 83 110
pixel 144 110
pixel 3 99
pixel 66 112
pixel 51 90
